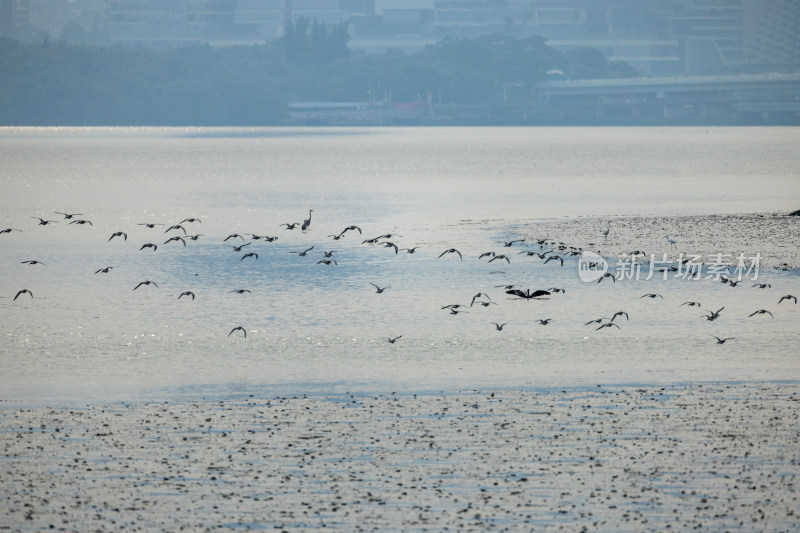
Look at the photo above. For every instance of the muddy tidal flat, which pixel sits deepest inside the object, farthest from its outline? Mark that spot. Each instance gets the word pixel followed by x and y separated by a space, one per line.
pixel 709 457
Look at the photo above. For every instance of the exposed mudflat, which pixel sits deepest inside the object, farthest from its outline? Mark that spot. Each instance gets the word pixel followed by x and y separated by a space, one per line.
pixel 772 237
pixel 687 457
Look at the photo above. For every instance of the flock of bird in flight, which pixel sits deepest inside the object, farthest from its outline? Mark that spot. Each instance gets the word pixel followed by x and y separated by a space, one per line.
pixel 548 250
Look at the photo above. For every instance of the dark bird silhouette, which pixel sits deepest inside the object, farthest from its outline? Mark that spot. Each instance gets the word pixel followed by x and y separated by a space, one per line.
pixel 303 253
pixel 290 226
pixel 238 328
pixel 607 325
pixel 509 244
pixel 379 289
pixel 189 220
pixel 453 306
pixel 499 327
pixel 351 228
pixel 23 291
pixel 194 237
pixel 328 253
pixel 176 226
pixel 32 262
pixel 392 340
pixel 554 258
pixel 103 270
pixel 527 294
pixel 239 248
pixel 388 244
pixel 147 282
pixel 788 297
pixel 82 221
pixel 691 304
pixel 240 291
pixel 232 236
pixel 410 250
pixel 722 341
pixel 150 225
pixel 119 234
pixel 43 222
pixel 486 254
pixel 186 293
pixel 556 290
pixel 176 238
pixel 713 316
pixel 763 285
pixel 544 321
pixel 608 275
pixel 452 251
pixel 501 256
pixel 327 262
pixel 760 312
pixel 651 295
pixel 306 222
pixel 249 254
pixel 67 216
pixel 537 254
pixel 486 304
pixel 620 313
pixel 596 321
pixel 149 245
pixel 8 230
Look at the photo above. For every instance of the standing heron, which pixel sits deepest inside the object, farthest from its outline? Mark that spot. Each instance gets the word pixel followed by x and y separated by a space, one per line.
pixel 306 222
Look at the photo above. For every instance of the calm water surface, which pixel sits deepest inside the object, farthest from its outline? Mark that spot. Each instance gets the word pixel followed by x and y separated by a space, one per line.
pixel 312 326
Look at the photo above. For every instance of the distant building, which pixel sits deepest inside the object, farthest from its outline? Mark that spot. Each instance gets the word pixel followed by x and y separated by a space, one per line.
pixel 658 37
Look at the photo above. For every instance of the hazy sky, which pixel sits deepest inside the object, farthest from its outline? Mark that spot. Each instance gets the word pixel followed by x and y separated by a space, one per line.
pixel 380 5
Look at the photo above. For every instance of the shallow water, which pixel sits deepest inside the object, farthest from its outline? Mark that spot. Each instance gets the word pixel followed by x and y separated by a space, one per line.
pixel 316 327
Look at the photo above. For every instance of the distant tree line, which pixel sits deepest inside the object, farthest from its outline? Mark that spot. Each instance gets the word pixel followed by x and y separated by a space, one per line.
pixel 56 84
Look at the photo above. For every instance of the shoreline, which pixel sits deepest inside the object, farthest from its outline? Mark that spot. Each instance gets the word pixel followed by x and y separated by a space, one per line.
pixel 637 458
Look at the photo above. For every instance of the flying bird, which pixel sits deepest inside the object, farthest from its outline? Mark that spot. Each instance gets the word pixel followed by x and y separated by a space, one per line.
pixel 240 291
pixel 147 282
pixel 607 325
pixel 119 234
pixel 501 256
pixel 722 341
pixel 479 295
pixel 760 312
pixel 788 297
pixel 713 316
pixel 544 321
pixel 290 226
pixel 23 291
pixel 327 262
pixel 176 238
pixel 238 328
pixel 392 340
pixel 452 251
pixel 554 258
pixel 239 248
pixel 150 225
pixel 8 230
pixel 303 253
pixel 232 236
pixel 651 295
pixel 189 220
pixel 149 245
pixel 763 285
pixel 186 293
pixel 691 304
pixel 103 270
pixel 499 327
pixel 249 254
pixel 43 222
pixel 67 216
pixel 527 294
pixel 509 244
pixel 607 275
pixel 620 313
pixel 176 226
pixel 82 221
pixel 32 262
pixel 379 289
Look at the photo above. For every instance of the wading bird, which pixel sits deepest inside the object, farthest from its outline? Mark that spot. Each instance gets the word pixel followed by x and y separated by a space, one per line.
pixel 306 222
pixel 672 242
pixel 607 230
